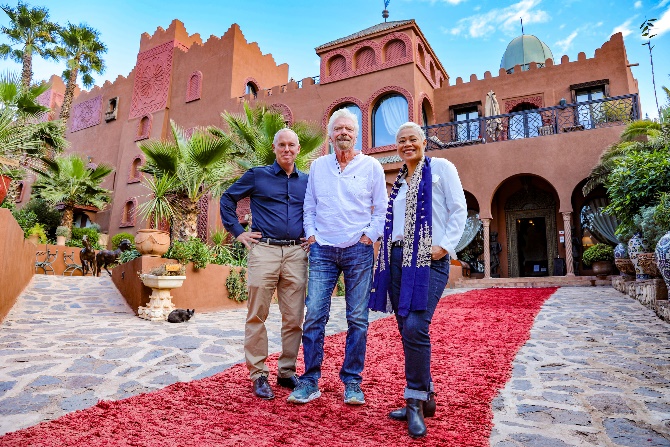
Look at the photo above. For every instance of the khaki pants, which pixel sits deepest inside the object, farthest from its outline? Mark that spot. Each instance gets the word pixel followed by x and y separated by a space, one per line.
pixel 273 267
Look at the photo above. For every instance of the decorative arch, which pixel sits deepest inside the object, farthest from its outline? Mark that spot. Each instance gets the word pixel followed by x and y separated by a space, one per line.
pixel 421 55
pixel 326 59
pixel 367 56
pixel 134 169
pixel 144 127
pixel 533 100
pixel 397 52
pixel 365 118
pixel 284 110
pixel 253 81
pixel 194 86
pixel 423 97
pixel 375 97
pixel 129 213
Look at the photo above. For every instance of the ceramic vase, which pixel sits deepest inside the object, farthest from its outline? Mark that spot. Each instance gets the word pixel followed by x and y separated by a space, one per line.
pixel 637 245
pixel 152 242
pixel 663 258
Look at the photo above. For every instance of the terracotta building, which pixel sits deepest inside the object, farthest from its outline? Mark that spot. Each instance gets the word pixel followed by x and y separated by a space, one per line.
pixel 522 157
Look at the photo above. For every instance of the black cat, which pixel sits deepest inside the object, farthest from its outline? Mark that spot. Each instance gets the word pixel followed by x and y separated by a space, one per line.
pixel 180 315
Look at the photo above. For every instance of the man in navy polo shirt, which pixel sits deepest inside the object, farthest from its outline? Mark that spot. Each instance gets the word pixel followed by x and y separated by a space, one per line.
pixel 276 260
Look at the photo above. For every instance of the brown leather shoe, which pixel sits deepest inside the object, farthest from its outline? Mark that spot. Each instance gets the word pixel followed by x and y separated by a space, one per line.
pixel 288 382
pixel 262 388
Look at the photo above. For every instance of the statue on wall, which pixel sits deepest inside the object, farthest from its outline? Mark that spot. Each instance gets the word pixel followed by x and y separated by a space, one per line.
pixel 495 249
pixel 87 257
pixel 105 258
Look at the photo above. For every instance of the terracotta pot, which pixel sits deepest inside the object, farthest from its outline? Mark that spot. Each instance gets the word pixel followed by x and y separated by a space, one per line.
pixel 663 258
pixel 625 266
pixel 647 263
pixel 152 242
pixel 602 268
pixel 103 240
pixel 60 240
pixel 34 238
pixel 4 186
pixel 637 245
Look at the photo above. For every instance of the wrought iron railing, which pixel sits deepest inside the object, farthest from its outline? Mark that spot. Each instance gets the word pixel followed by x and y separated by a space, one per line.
pixel 317 80
pixel 607 112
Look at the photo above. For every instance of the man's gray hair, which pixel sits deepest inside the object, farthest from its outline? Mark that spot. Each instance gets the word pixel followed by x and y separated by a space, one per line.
pixel 414 126
pixel 343 113
pixel 285 129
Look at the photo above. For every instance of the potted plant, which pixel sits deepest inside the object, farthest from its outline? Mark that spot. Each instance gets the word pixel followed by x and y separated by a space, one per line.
pixel 153 241
pixel 600 258
pixel 37 235
pixel 161 280
pixel 62 234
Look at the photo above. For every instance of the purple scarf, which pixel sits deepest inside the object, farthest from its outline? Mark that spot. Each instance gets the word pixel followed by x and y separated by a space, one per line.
pixel 416 251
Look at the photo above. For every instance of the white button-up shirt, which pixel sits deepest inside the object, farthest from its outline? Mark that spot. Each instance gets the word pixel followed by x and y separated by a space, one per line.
pixel 449 207
pixel 342 206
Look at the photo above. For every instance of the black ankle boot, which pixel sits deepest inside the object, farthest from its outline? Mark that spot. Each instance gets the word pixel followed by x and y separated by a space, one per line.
pixel 428 409
pixel 416 427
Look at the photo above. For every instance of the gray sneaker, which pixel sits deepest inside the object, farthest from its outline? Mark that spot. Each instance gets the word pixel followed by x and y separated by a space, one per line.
pixel 304 392
pixel 353 394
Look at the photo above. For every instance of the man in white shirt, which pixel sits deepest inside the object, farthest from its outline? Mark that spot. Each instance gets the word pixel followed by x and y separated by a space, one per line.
pixel 344 212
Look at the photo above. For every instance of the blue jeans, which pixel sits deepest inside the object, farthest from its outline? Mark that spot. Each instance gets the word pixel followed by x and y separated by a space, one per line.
pixel 325 265
pixel 414 328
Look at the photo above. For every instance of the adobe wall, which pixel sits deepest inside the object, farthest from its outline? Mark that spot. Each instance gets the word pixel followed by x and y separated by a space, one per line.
pixel 551 83
pixel 17 261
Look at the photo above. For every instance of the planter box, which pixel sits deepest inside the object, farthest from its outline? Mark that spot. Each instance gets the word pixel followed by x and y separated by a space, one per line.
pixel 204 290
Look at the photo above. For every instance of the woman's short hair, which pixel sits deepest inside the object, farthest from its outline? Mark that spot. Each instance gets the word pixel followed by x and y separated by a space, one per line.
pixel 414 126
pixel 342 113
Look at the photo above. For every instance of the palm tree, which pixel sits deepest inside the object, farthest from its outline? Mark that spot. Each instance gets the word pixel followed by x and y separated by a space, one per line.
pixel 31 30
pixel 639 136
pixel 68 181
pixel 252 132
pixel 184 170
pixel 82 49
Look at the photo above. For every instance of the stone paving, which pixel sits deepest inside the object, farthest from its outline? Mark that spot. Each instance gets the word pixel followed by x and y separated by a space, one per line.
pixel 595 372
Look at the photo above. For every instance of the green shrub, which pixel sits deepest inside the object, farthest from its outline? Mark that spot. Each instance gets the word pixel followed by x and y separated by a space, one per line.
pixel 117 238
pixel 194 250
pixel 128 256
pixel 78 235
pixel 38 229
pixel 223 253
pixel 26 219
pixel 340 286
pixel 95 226
pixel 598 252
pixel 236 283
pixel 46 213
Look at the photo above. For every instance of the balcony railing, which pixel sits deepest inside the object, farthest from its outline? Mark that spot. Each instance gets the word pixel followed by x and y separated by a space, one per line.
pixel 607 112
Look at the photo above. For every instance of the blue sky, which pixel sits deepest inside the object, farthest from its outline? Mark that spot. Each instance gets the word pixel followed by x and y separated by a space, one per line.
pixel 468 36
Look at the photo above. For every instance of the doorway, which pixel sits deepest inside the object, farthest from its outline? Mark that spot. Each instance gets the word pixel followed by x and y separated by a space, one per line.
pixel 532 246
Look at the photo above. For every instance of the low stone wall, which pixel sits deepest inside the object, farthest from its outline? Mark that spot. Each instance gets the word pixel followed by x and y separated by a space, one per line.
pixel 652 293
pixel 17 258
pixel 204 289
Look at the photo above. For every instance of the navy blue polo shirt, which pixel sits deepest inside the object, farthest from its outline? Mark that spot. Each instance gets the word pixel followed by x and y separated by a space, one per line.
pixel 276 202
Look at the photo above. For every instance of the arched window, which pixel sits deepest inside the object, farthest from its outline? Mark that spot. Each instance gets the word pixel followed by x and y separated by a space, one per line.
pixel 424 115
pixel 144 128
pixel 128 216
pixel 395 49
pixel 194 86
pixel 337 65
pixel 387 116
pixel 524 125
pixel 134 174
pixel 365 58
pixel 422 56
pixel 251 89
pixel 353 108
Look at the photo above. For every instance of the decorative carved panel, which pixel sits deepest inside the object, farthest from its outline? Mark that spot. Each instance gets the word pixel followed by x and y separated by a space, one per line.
pixel 285 111
pixel 203 217
pixel 86 114
pixel 537 101
pixel 152 80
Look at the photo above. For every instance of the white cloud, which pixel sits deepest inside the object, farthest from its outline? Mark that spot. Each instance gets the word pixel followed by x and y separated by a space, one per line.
pixel 662 4
pixel 662 25
pixel 638 4
pixel 565 44
pixel 502 19
pixel 624 28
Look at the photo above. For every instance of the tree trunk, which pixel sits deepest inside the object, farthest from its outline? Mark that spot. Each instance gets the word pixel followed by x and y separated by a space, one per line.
pixel 67 217
pixel 69 94
pixel 27 71
pixel 13 192
pixel 185 222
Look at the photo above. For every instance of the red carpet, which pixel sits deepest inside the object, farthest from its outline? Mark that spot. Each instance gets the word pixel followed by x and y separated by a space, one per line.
pixel 475 338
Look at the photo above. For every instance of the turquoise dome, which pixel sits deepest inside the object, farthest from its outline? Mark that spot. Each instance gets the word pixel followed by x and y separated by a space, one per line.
pixel 523 50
